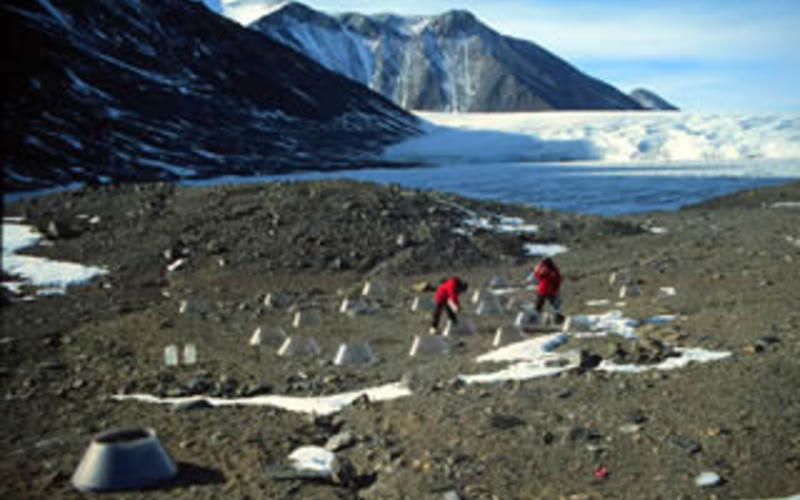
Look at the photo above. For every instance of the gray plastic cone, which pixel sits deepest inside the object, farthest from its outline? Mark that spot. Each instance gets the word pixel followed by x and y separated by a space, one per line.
pixel 123 459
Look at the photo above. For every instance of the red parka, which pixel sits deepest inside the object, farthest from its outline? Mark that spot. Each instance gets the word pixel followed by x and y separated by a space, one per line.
pixel 549 278
pixel 449 290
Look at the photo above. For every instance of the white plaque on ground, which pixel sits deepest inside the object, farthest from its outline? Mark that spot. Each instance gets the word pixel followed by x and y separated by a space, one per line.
pixel 189 354
pixel 171 355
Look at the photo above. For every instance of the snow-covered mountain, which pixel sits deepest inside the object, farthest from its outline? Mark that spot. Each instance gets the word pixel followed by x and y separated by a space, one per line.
pixel 104 91
pixel 650 100
pixel 450 62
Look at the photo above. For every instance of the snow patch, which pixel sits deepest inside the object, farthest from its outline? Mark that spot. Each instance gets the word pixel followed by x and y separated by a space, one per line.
pixel 320 405
pixel 315 460
pixel 534 357
pixel 169 167
pixel 57 15
pixel 786 204
pixel 544 250
pixel 527 350
pixel 38 271
pixel 687 355
pixel 502 224
pixel 84 88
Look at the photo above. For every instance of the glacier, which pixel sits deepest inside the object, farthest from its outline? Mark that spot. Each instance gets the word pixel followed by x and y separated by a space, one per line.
pixel 603 137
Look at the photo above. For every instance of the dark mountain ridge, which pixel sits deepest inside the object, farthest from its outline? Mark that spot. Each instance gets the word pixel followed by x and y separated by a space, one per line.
pixel 105 91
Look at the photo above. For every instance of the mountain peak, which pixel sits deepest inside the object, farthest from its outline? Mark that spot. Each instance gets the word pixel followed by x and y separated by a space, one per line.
pixel 454 22
pixel 297 11
pixel 459 15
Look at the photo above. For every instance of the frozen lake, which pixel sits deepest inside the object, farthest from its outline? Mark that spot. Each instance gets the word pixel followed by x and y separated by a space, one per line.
pixel 594 162
pixel 594 189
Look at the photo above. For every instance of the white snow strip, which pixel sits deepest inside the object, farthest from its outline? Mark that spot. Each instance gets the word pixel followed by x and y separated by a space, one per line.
pixel 208 154
pixel 85 88
pixel 656 230
pixel 527 350
pixel 155 77
pixel 687 355
pixel 545 250
pixel 55 13
pixel 502 224
pixel 660 319
pixel 519 371
pixel 38 271
pixel 321 405
pixel 72 141
pixel 169 167
pixel 786 204
pixel 598 302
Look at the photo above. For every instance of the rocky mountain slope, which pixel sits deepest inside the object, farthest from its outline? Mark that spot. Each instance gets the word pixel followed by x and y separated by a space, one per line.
pixel 102 91
pixel 650 100
pixel 451 62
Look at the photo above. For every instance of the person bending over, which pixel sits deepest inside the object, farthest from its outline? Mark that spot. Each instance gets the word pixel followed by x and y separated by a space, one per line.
pixel 446 299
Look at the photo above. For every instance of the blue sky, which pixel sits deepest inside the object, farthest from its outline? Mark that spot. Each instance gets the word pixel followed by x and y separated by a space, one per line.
pixel 702 55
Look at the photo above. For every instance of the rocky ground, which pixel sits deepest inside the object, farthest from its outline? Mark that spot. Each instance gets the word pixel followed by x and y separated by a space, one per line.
pixel 733 262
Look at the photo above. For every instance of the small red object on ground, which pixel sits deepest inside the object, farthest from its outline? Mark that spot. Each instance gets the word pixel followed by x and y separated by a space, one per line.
pixel 601 472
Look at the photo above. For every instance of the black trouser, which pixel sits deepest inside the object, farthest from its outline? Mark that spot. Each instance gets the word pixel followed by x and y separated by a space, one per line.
pixel 554 300
pixel 437 313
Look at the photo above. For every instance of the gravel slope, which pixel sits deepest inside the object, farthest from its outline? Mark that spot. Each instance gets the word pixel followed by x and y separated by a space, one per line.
pixel 733 262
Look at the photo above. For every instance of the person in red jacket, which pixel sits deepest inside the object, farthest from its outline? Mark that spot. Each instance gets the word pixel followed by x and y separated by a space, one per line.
pixel 549 277
pixel 446 299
